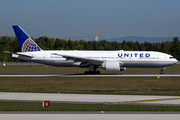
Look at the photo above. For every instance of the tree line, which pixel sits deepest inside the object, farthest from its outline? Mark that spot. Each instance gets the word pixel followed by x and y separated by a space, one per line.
pixel 11 44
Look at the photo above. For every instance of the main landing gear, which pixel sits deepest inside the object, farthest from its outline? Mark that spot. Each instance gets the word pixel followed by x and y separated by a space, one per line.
pixel 162 70
pixel 92 72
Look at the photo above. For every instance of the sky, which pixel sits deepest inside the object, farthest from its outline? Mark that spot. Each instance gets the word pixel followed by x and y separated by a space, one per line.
pixel 79 18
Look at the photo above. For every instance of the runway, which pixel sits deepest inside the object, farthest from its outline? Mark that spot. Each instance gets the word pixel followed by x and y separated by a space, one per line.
pixel 85 116
pixel 91 75
pixel 91 98
pixel 89 112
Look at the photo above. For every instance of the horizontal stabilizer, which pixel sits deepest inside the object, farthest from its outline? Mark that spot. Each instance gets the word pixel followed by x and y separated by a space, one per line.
pixel 20 53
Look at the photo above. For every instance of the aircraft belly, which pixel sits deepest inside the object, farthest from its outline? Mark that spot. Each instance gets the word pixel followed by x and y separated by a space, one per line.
pixel 145 64
pixel 58 63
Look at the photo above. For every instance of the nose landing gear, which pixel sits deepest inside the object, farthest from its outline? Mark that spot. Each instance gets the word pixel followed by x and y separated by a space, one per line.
pixel 162 70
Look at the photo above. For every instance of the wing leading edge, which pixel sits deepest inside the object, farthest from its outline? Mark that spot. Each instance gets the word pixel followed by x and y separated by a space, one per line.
pixel 81 59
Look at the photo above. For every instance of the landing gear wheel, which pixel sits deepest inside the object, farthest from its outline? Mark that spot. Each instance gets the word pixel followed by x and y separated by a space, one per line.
pixel 86 72
pixel 97 72
pixel 92 72
pixel 162 70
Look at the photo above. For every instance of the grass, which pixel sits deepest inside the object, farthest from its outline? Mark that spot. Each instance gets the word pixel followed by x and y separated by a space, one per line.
pixel 37 106
pixel 95 85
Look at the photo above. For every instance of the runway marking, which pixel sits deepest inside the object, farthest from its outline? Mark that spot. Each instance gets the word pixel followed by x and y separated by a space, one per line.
pixel 141 101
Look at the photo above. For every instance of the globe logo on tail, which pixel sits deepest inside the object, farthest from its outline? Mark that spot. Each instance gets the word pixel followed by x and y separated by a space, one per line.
pixel 30 46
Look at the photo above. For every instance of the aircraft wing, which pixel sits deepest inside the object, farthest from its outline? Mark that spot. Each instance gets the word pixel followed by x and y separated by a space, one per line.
pixel 81 59
pixel 20 54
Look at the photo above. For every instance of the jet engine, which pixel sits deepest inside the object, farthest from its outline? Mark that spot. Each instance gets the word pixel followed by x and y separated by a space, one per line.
pixel 112 66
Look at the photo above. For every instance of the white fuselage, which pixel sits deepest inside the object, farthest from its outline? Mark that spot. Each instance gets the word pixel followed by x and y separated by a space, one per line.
pixel 125 58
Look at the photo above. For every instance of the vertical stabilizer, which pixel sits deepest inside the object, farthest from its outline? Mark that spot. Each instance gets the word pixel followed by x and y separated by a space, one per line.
pixel 25 42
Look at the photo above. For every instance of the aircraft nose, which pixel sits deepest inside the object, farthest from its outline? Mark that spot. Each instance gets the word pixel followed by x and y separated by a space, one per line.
pixel 176 60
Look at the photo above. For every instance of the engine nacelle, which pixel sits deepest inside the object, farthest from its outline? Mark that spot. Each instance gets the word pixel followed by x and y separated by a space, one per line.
pixel 111 66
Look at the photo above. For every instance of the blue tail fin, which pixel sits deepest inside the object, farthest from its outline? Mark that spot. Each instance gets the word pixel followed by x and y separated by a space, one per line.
pixel 25 42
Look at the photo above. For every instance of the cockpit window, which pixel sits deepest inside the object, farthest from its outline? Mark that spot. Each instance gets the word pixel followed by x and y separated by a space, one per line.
pixel 171 58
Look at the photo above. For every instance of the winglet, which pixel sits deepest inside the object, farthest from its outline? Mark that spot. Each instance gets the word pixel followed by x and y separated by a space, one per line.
pixel 25 42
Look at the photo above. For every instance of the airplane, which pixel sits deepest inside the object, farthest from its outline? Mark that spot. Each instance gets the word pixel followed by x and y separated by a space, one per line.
pixel 111 61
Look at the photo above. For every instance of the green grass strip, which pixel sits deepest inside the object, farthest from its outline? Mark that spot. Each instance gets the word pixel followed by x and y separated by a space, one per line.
pixel 37 106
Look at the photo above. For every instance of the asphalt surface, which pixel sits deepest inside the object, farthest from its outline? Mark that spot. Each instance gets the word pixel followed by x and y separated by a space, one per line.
pixel 92 116
pixel 90 112
pixel 89 75
pixel 91 98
